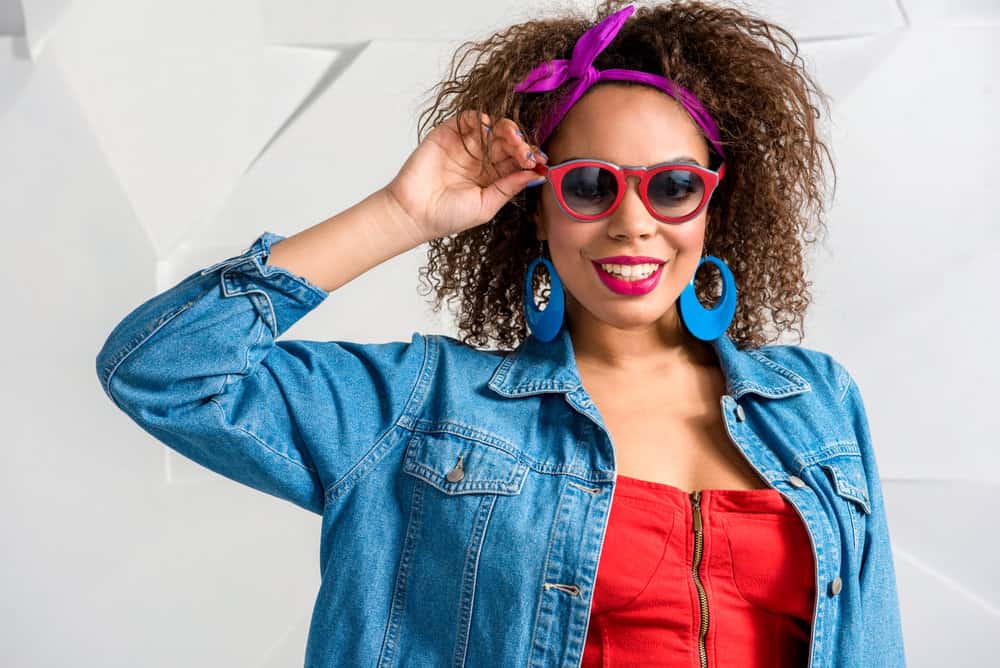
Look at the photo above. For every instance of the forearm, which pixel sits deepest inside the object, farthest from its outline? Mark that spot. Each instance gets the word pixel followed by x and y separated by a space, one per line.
pixel 341 248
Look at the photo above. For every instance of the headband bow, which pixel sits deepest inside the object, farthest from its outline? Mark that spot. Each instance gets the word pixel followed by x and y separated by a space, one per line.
pixel 552 74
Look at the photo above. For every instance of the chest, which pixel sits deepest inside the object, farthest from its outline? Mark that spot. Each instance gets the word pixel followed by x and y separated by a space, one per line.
pixel 672 431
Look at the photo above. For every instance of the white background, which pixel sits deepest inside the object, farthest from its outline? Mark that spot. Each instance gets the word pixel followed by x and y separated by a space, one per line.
pixel 142 140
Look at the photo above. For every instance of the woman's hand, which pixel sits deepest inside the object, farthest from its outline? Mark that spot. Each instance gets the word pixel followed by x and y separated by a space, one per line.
pixel 442 186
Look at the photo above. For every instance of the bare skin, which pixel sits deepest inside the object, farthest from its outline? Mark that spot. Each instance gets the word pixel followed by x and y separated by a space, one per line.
pixel 670 429
pixel 656 386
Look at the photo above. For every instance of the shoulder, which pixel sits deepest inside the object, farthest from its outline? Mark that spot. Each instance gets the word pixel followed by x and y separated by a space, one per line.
pixel 456 346
pixel 455 356
pixel 824 373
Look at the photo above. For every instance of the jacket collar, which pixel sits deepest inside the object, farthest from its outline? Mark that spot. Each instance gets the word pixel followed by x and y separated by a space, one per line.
pixel 537 366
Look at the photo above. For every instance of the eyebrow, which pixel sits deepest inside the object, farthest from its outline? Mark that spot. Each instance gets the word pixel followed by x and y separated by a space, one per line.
pixel 679 158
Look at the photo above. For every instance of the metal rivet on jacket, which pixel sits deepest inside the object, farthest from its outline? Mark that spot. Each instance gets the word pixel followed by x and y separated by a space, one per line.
pixel 796 481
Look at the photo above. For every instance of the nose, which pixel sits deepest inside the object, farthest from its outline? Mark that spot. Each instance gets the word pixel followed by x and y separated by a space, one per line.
pixel 631 218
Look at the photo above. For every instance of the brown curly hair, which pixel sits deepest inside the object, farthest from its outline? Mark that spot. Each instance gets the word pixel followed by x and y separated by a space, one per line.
pixel 748 75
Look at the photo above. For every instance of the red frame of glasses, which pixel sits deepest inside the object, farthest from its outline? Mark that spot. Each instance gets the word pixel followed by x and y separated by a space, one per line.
pixel 555 174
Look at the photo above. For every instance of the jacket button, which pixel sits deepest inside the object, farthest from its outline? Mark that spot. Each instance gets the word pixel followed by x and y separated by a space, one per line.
pixel 836 586
pixel 740 415
pixel 796 481
pixel 458 472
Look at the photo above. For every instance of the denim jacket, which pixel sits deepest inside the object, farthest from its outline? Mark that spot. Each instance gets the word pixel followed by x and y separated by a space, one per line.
pixel 465 493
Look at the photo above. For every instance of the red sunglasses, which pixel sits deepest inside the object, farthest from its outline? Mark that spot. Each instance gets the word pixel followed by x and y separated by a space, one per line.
pixel 592 189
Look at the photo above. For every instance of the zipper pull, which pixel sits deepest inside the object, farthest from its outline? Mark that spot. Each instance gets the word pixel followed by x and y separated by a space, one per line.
pixel 696 506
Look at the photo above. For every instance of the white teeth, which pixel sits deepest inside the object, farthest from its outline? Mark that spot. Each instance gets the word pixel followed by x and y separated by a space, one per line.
pixel 630 272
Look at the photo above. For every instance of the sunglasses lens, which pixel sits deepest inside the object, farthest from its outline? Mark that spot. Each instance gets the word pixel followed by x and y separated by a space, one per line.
pixel 589 190
pixel 676 192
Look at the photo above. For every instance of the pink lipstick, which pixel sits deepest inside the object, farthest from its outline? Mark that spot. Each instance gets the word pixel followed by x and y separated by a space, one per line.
pixel 625 287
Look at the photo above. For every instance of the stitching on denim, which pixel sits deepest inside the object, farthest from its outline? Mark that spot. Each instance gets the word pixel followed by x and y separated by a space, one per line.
pixel 414 404
pixel 260 337
pixel 845 489
pixel 783 370
pixel 542 606
pixel 413 526
pixel 332 490
pixel 854 531
pixel 469 576
pixel 229 262
pixel 134 345
pixel 470 433
pixel 577 471
pixel 365 463
pixel 231 289
pixel 830 449
pixel 502 487
pixel 817 630
pixel 500 375
pixel 742 387
pixel 543 386
pixel 222 414
pixel 773 468
pixel 844 381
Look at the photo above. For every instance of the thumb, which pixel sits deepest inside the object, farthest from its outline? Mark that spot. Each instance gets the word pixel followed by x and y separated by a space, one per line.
pixel 493 197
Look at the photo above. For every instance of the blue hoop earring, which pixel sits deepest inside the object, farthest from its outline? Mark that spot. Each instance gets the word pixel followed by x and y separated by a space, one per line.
pixel 709 324
pixel 544 325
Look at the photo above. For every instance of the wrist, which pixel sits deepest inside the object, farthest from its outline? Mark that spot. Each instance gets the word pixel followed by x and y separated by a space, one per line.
pixel 401 219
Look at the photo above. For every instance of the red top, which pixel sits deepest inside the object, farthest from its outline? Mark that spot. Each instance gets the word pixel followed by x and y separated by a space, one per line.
pixel 756 578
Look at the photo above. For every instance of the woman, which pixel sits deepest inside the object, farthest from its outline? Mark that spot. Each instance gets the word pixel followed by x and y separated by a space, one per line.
pixel 466 493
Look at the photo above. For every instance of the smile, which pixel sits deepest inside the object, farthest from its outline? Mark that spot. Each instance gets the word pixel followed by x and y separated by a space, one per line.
pixel 635 280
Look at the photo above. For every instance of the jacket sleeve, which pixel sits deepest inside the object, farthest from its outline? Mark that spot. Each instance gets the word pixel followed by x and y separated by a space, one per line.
pixel 882 644
pixel 198 368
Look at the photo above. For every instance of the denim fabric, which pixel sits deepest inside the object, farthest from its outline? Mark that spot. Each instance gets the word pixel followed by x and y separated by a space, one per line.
pixel 493 562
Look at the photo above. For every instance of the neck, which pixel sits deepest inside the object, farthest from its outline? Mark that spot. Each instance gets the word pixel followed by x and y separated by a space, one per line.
pixel 647 348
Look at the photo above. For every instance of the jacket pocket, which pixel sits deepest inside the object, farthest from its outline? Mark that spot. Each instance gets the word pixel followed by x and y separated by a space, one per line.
pixel 846 473
pixel 457 465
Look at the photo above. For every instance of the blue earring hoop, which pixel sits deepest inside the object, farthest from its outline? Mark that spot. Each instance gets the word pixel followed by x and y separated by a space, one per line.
pixel 709 324
pixel 544 325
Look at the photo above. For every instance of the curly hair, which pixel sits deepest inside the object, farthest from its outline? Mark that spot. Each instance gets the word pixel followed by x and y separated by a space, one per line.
pixel 748 75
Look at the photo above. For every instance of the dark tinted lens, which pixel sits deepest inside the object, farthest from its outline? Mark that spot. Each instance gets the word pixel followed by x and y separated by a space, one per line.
pixel 589 191
pixel 676 192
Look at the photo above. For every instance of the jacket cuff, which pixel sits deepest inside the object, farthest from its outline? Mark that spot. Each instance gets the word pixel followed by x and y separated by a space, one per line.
pixel 281 297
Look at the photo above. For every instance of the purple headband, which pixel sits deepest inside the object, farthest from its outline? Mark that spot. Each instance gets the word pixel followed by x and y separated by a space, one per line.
pixel 554 73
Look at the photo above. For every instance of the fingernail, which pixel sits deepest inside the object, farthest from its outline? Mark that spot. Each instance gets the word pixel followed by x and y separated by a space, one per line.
pixel 531 155
pixel 535 182
pixel 520 134
pixel 542 153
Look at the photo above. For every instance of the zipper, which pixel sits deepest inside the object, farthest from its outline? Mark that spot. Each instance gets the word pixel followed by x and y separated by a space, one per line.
pixel 812 543
pixel 699 545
